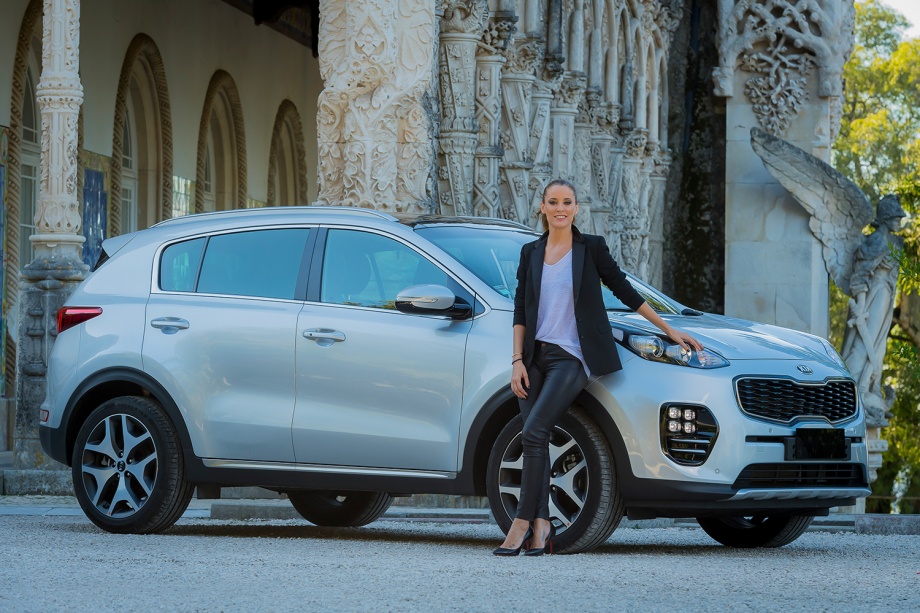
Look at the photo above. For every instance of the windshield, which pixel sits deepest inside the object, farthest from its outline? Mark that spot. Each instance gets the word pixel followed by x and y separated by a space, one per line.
pixel 492 254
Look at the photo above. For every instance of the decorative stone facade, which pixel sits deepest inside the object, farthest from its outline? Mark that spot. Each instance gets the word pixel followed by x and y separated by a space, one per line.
pixel 528 91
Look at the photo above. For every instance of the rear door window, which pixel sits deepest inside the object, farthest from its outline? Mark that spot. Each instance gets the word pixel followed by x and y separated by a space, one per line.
pixel 259 263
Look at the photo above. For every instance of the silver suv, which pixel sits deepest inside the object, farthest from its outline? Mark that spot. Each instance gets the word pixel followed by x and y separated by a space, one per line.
pixel 344 356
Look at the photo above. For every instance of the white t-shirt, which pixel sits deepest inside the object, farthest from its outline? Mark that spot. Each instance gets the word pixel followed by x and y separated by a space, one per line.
pixel 556 312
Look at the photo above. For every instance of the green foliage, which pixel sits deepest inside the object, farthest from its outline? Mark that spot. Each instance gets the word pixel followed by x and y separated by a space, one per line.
pixel 879 148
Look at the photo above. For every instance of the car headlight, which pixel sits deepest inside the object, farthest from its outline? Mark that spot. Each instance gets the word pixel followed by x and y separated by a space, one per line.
pixel 832 353
pixel 656 349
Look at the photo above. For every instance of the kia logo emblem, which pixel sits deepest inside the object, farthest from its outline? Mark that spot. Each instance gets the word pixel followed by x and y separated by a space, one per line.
pixel 803 369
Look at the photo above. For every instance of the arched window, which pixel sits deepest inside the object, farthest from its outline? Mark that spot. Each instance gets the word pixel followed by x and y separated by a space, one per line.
pixel 221 148
pixel 287 168
pixel 129 175
pixel 208 184
pixel 141 146
pixel 30 162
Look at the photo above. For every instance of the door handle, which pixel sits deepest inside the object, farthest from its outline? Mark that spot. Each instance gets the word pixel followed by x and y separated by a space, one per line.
pixel 324 334
pixel 169 325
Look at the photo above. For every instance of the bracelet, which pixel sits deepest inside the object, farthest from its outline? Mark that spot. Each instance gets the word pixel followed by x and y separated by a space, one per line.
pixel 517 360
pixel 514 354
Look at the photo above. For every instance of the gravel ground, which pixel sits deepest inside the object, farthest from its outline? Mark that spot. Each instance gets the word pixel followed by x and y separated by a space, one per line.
pixel 67 564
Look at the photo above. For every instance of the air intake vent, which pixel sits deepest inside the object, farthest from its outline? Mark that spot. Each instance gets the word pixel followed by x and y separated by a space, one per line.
pixel 766 476
pixel 785 400
pixel 688 432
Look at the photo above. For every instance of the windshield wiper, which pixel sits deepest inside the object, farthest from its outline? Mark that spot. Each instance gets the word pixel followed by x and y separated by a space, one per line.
pixel 689 311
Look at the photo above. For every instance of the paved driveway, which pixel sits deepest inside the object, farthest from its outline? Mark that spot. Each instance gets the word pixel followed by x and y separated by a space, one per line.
pixel 63 563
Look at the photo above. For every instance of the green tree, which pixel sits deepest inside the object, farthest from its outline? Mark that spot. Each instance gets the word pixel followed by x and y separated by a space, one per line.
pixel 879 148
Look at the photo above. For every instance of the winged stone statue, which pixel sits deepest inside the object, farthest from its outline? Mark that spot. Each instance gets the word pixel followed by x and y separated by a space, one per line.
pixel 860 264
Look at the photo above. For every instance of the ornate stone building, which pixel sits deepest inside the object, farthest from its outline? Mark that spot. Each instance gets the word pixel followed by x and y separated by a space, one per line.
pixel 468 107
pixel 457 107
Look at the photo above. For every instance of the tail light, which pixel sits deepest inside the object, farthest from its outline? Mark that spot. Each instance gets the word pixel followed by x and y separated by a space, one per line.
pixel 70 316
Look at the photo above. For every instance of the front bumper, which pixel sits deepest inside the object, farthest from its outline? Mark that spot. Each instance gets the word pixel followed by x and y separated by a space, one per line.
pixel 655 482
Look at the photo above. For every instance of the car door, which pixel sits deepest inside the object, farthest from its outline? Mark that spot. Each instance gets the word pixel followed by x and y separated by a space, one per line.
pixel 220 332
pixel 376 387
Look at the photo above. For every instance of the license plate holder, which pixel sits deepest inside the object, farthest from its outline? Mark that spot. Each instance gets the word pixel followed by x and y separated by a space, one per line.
pixel 817 444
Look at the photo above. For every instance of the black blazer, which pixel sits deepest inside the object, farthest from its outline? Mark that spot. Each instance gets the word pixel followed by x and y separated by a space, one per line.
pixel 591 264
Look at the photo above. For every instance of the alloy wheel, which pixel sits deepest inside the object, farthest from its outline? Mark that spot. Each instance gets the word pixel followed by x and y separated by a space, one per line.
pixel 569 480
pixel 119 466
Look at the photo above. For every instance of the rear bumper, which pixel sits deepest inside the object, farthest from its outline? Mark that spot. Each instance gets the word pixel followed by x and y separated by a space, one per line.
pixel 54 443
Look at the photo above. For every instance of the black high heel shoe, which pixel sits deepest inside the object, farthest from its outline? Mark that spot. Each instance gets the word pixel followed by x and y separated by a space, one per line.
pixel 547 544
pixel 507 551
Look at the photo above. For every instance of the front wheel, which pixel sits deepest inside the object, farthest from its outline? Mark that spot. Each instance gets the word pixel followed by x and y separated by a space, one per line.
pixel 127 466
pixel 755 531
pixel 584 501
pixel 340 509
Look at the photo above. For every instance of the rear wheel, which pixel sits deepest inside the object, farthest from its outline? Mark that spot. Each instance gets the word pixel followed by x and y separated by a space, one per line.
pixel 127 466
pixel 584 500
pixel 341 509
pixel 755 531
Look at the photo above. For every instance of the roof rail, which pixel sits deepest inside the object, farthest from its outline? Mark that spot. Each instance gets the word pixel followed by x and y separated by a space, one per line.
pixel 348 210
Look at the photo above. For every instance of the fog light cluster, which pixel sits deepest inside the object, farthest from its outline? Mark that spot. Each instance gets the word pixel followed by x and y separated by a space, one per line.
pixel 681 420
pixel 688 433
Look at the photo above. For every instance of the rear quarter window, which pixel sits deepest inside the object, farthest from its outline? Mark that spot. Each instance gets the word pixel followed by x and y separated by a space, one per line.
pixel 179 266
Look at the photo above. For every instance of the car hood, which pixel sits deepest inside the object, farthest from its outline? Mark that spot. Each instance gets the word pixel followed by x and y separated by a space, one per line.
pixel 736 339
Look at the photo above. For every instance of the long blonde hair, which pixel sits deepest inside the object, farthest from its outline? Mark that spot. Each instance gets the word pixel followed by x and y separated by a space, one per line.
pixel 554 183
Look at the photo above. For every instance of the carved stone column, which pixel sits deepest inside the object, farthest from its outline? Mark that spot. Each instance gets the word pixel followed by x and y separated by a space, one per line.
pixel 661 162
pixel 523 56
pixel 630 207
pixel 581 160
pixel 58 265
pixel 489 62
pixel 779 66
pixel 541 138
pixel 374 124
pixel 461 30
pixel 563 115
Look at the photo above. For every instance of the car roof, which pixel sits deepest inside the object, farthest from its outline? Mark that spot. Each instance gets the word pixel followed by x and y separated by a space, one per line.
pixel 333 213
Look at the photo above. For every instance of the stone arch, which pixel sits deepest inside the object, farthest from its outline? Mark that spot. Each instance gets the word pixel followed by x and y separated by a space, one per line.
pixel 287 156
pixel 142 82
pixel 29 29
pixel 652 83
pixel 624 49
pixel 639 94
pixel 663 97
pixel 223 114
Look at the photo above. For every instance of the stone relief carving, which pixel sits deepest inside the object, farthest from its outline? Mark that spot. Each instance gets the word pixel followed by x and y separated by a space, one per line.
pixel 861 266
pixel 780 42
pixel 374 118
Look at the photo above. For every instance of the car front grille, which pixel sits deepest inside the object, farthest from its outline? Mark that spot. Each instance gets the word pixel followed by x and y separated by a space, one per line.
pixel 784 400
pixel 787 475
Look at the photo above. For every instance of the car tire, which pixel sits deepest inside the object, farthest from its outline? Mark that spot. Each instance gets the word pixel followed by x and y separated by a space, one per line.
pixel 750 532
pixel 340 509
pixel 128 470
pixel 585 502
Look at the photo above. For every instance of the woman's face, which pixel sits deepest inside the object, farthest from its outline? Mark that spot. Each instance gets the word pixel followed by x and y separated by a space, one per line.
pixel 559 206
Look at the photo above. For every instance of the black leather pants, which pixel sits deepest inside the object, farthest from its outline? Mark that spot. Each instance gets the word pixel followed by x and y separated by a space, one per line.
pixel 556 378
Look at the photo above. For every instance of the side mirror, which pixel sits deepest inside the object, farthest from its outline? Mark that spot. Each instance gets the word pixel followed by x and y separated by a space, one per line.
pixel 432 300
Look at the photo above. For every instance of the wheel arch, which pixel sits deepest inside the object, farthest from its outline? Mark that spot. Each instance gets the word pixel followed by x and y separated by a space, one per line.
pixel 502 407
pixel 112 383
pixel 490 420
